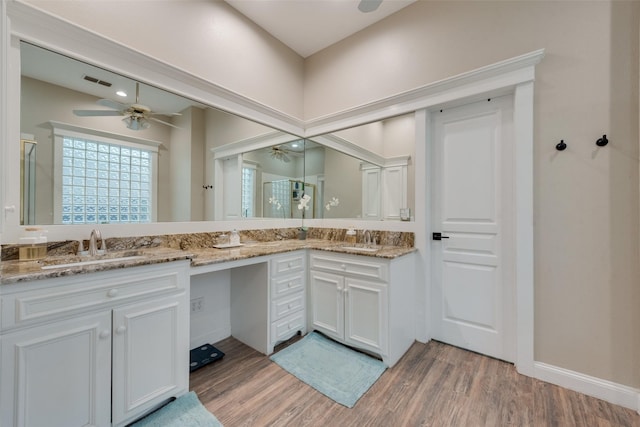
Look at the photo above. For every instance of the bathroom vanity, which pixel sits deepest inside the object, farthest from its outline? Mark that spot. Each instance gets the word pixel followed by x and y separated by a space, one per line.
pixel 105 343
pixel 94 349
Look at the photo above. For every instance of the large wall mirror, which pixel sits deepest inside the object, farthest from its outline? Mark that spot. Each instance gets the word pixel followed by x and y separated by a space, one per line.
pixel 108 149
pixel 364 172
pixel 103 148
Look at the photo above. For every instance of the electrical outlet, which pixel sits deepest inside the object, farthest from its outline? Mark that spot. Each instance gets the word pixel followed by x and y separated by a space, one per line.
pixel 197 304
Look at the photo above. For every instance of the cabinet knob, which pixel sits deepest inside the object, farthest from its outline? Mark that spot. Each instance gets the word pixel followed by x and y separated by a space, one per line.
pixel 112 293
pixel 104 334
pixel 121 330
pixel 289 326
pixel 288 305
pixel 290 284
pixel 342 266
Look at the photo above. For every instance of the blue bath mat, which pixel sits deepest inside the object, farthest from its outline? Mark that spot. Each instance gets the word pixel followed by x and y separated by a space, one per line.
pixel 336 371
pixel 185 411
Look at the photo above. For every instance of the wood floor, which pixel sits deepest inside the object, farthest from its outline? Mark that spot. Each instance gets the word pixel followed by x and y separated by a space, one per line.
pixel 432 385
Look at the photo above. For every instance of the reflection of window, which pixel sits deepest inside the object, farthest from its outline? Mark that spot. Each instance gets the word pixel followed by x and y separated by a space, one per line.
pixel 103 181
pixel 248 190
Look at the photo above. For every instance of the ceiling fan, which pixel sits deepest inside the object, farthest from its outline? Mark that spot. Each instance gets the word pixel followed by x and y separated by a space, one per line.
pixel 278 152
pixel 137 116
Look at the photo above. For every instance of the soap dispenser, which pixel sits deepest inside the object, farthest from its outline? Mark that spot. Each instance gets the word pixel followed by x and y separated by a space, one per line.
pixel 234 239
pixel 351 236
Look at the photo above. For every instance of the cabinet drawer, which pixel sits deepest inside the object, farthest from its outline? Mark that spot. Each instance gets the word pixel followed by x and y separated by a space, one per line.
pixel 285 306
pixel 287 264
pixel 287 285
pixel 287 327
pixel 357 266
pixel 90 292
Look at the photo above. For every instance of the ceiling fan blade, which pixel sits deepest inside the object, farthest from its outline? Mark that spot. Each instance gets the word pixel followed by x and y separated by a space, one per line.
pixel 112 104
pixel 156 113
pixel 367 6
pixel 164 123
pixel 89 113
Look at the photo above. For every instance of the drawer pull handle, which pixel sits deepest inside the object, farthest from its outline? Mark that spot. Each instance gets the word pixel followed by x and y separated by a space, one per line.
pixel 104 334
pixel 289 326
pixel 290 284
pixel 288 305
pixel 290 264
pixel 112 293
pixel 121 330
pixel 342 266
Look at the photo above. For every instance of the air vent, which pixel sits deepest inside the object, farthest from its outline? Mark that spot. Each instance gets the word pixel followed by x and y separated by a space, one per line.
pixel 94 80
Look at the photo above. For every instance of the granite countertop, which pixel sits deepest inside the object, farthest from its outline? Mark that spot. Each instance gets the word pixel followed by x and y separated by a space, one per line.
pixel 206 256
pixel 22 271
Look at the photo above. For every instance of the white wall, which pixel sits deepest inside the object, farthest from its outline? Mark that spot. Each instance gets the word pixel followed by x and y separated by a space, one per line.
pixel 586 199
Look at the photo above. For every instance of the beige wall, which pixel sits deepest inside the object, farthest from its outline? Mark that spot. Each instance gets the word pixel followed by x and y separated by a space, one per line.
pixel 587 278
pixel 208 39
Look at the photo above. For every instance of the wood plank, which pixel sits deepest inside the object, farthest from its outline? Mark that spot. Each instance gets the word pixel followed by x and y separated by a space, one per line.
pixel 434 384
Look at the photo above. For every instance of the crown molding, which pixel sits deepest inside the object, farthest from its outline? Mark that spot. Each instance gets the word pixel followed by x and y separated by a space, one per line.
pixel 494 79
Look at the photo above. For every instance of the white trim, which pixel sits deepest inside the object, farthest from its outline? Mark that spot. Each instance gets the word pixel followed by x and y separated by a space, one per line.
pixel 250 144
pixel 602 389
pixel 495 79
pixel 66 129
pixel 349 148
pixel 523 198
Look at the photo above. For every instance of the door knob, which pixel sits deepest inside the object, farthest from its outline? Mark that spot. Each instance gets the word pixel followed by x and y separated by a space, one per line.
pixel 439 236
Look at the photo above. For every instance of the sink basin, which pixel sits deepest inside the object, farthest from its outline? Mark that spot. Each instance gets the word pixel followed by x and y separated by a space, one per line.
pixel 80 261
pixel 360 249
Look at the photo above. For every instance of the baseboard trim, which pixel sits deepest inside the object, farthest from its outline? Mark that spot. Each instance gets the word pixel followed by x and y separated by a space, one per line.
pixel 210 337
pixel 609 391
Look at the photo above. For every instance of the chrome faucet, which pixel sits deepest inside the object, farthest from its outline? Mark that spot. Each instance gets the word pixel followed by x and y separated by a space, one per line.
pixel 93 243
pixel 367 237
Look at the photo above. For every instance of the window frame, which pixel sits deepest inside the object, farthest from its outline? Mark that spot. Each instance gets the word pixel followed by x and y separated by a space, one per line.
pixel 64 130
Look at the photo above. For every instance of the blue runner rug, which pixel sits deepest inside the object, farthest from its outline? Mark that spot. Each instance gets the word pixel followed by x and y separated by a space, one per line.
pixel 185 411
pixel 336 371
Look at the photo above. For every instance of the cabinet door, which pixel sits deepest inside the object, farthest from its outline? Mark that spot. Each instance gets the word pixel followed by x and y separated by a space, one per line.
pixel 150 355
pixel 327 303
pixel 58 374
pixel 366 314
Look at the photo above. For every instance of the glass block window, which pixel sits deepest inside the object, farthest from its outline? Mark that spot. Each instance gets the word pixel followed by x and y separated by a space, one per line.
pixel 105 182
pixel 248 191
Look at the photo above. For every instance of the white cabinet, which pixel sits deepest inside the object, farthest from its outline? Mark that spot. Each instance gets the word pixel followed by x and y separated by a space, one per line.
pixel 98 349
pixel 364 302
pixel 287 300
pixel 268 303
pixel 58 374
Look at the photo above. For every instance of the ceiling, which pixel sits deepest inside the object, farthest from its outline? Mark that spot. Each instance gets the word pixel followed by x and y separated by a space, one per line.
pixel 308 26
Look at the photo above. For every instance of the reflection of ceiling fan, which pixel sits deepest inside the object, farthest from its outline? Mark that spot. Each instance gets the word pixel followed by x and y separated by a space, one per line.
pixel 137 116
pixel 279 153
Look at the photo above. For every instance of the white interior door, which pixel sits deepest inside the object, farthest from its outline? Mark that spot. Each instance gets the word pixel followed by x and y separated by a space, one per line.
pixel 473 281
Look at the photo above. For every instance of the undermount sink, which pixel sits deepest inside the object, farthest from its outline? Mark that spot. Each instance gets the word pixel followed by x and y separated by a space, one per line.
pixel 360 248
pixel 80 261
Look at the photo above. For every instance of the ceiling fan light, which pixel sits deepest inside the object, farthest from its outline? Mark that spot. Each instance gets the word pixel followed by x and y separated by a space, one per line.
pixel 136 123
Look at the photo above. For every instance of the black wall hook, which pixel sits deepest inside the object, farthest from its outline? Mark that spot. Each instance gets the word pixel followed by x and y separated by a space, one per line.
pixel 561 145
pixel 601 142
pixel 206 187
